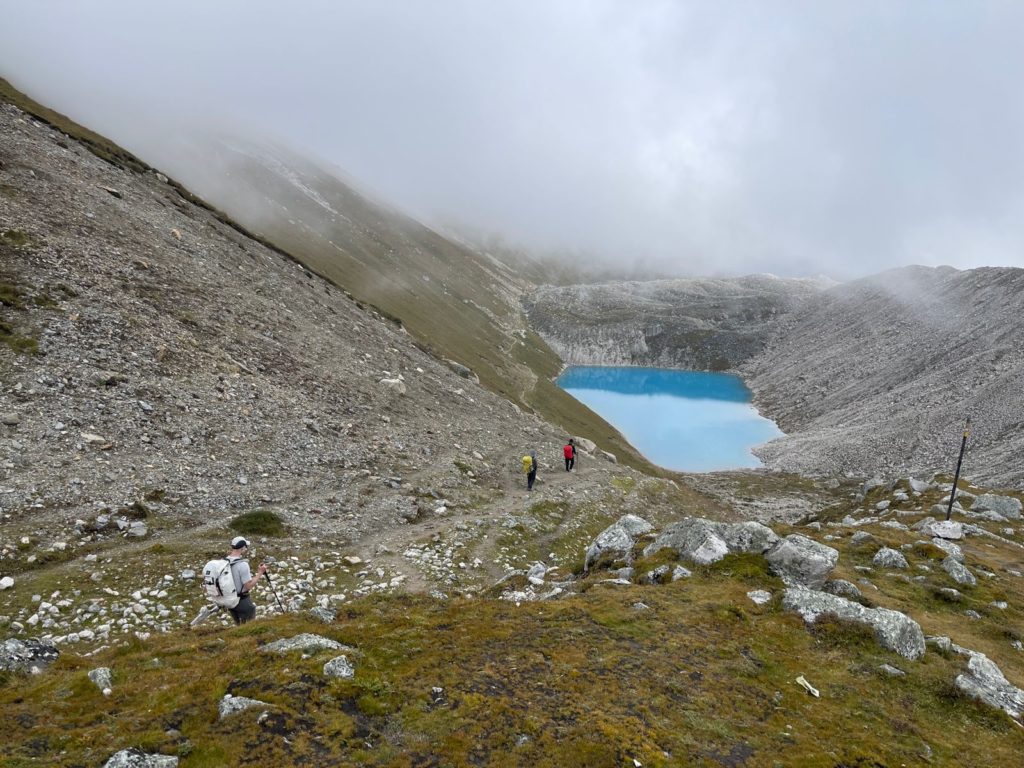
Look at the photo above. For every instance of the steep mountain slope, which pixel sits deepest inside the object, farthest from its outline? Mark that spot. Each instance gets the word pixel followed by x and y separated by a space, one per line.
pixel 457 302
pixel 703 324
pixel 877 376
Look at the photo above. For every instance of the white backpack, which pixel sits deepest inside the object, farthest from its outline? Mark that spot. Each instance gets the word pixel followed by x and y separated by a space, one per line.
pixel 219 583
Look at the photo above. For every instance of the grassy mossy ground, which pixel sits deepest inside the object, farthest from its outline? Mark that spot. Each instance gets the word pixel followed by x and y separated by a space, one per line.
pixel 696 675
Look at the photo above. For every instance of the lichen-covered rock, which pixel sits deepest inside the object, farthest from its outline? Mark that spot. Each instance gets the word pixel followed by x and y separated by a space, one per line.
pixel 102 678
pixel 617 540
pixel 323 614
pixel 694 539
pixel 958 571
pixel 889 558
pixel 133 758
pixel 1006 506
pixel 842 588
pixel 893 630
pixel 339 667
pixel 943 529
pixel 749 537
pixel 232 705
pixel 984 680
pixel 949 548
pixel 21 656
pixel 304 642
pixel 801 561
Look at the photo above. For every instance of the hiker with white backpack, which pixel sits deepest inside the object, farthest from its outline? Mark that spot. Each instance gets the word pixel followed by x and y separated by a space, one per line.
pixel 228 582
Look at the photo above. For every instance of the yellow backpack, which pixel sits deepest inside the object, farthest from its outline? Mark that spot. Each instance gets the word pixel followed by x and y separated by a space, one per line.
pixel 527 464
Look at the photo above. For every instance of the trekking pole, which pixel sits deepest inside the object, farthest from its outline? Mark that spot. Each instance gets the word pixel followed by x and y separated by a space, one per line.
pixel 266 573
pixel 959 462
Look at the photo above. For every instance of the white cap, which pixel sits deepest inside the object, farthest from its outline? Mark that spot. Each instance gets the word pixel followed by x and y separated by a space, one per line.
pixel 238 542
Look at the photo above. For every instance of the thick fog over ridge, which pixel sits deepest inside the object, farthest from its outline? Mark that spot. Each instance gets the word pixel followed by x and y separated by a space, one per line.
pixel 792 138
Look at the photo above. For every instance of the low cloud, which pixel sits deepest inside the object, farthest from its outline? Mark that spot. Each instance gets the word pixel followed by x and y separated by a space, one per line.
pixel 700 138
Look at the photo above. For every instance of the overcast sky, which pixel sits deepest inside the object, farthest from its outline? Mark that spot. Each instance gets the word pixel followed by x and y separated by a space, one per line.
pixel 840 137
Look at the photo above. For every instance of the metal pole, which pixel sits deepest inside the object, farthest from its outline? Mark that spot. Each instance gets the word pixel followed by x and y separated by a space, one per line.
pixel 959 462
pixel 271 583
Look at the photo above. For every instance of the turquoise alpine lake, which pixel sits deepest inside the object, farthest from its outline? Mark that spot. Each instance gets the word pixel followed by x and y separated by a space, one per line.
pixel 688 421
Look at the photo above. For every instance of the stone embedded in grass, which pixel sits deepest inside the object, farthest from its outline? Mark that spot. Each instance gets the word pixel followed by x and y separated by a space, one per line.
pixel 801 561
pixel 958 571
pixel 6 583
pixel 102 678
pixel 339 667
pixel 760 596
pixel 304 642
pixel 951 549
pixel 889 558
pixel 133 758
pixel 891 671
pixel 983 680
pixel 232 705
pixel 893 630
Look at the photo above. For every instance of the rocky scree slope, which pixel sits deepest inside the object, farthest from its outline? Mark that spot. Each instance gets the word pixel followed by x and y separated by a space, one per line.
pixel 876 376
pixel 177 373
pixel 700 324
pixel 181 359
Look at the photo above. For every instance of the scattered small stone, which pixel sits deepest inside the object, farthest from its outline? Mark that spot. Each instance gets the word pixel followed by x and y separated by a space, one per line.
pixel 760 596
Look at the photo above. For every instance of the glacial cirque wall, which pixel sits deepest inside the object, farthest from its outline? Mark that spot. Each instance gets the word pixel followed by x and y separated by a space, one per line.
pixel 700 324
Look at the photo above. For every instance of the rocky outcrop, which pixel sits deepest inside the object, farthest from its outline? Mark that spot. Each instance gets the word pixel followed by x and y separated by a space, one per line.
pixel 703 542
pixel 699 324
pixel 894 631
pixel 617 540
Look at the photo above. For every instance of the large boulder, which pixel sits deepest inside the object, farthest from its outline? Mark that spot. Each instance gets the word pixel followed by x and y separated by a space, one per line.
pixel 693 539
pixel 1006 506
pixel 749 537
pixel 893 630
pixel 706 541
pixel 617 540
pixel 801 561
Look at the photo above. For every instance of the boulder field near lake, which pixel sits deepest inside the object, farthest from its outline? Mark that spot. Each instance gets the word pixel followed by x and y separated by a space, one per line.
pixel 170 380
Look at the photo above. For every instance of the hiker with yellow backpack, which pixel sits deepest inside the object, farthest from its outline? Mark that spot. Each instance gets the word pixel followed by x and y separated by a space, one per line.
pixel 530 468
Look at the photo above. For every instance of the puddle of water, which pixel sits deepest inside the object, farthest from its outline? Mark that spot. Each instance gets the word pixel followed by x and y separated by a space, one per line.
pixel 688 421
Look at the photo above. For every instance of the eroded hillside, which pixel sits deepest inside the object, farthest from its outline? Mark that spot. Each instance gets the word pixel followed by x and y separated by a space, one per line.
pixel 878 375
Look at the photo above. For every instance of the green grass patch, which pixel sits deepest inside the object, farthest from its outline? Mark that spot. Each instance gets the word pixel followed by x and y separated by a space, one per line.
pixel 16 238
pixel 259 522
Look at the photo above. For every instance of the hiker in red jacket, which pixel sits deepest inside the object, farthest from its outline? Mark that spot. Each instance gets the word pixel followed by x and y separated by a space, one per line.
pixel 569 452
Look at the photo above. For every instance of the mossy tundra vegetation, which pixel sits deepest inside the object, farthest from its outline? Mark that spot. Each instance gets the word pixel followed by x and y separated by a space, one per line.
pixel 690 672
